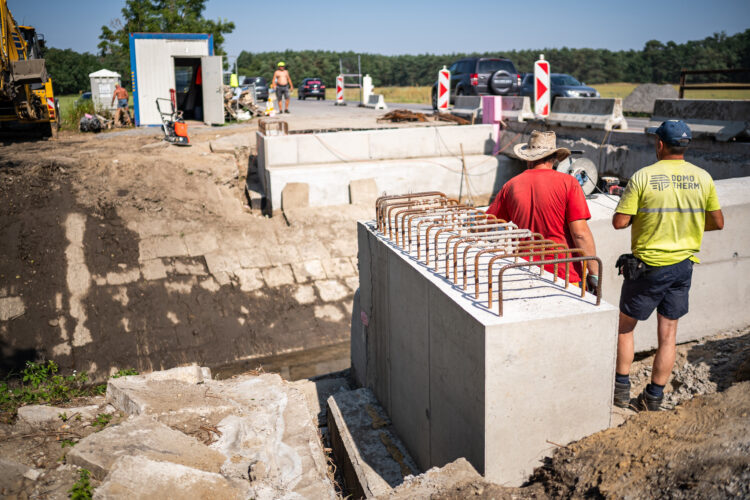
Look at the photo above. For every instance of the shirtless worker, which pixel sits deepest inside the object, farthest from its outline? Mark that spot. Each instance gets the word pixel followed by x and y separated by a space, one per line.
pixel 282 82
pixel 121 94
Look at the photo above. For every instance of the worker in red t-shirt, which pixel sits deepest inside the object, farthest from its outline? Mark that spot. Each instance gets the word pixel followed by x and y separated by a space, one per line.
pixel 548 202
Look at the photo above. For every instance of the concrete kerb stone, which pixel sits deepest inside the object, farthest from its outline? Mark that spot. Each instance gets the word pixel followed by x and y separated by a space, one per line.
pixel 308 270
pixel 144 437
pixel 363 191
pixel 140 478
pixel 372 458
pixel 295 195
pixel 161 246
pixel 153 269
pixel 200 243
pixel 332 290
pixel 278 276
pixel 339 268
pixel 249 279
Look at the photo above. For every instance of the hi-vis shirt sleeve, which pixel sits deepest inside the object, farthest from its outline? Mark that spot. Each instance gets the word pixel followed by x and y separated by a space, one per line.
pixel 712 202
pixel 628 204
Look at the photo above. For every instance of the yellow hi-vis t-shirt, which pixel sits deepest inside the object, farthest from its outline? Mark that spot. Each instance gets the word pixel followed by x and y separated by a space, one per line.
pixel 668 202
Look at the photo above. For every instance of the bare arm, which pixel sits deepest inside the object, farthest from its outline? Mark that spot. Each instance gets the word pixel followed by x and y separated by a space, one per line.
pixel 714 221
pixel 621 221
pixel 583 239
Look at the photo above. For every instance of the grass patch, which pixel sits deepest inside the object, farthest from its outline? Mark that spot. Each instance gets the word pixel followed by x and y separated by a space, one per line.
pixel 82 489
pixel 41 384
pixel 411 95
pixel 72 108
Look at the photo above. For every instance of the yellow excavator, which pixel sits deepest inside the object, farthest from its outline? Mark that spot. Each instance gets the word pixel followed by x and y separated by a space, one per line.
pixel 27 103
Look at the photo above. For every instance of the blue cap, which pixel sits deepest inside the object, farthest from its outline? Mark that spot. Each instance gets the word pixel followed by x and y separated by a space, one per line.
pixel 672 132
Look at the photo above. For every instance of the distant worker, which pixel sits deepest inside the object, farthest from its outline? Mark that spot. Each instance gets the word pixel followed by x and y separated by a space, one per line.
pixel 282 82
pixel 669 204
pixel 549 202
pixel 121 94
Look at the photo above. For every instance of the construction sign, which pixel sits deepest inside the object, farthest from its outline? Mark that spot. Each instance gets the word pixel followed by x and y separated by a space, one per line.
pixel 443 90
pixel 541 87
pixel 340 89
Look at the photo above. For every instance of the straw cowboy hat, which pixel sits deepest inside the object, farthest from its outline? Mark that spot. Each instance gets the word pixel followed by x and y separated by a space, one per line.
pixel 540 145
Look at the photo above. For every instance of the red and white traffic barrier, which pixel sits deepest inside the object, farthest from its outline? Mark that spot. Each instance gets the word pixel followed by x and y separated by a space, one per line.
pixel 443 90
pixel 541 87
pixel 340 90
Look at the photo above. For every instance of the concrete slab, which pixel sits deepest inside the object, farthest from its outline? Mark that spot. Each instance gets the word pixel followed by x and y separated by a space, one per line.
pixel 158 246
pixel 229 144
pixel 250 279
pixel 308 270
pixel 11 307
pixel 153 269
pixel 331 290
pixel 278 276
pixel 372 458
pixel 304 294
pixel 139 478
pixel 44 416
pixel 142 437
pixel 602 113
pixel 338 268
pixel 200 243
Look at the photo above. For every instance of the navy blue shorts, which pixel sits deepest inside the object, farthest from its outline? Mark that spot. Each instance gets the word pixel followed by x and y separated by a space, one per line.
pixel 663 288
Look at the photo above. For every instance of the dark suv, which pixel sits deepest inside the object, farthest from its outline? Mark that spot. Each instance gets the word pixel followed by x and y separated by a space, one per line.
pixel 311 87
pixel 481 76
pixel 261 87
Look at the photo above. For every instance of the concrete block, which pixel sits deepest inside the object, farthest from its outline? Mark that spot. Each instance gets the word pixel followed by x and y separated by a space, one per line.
pixel 516 108
pixel 43 416
pixel 222 261
pixel 338 268
pixel 11 307
pixel 331 290
pixel 317 392
pixel 278 276
pixel 253 257
pixel 588 113
pixel 363 191
pixel 376 101
pixel 403 143
pixel 331 147
pixel 140 478
pixel 153 269
pixel 189 268
pixel 142 437
pixel 250 279
pixel 723 119
pixel 308 270
pixel 161 246
pixel 372 458
pixel 470 371
pixel 295 195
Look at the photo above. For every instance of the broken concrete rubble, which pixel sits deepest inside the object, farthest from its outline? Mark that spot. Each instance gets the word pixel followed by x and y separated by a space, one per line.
pixel 253 428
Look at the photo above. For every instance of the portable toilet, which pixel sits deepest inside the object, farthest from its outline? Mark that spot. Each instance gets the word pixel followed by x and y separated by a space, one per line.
pixel 103 87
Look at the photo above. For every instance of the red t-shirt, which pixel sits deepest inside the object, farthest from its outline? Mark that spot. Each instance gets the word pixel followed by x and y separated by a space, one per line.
pixel 544 201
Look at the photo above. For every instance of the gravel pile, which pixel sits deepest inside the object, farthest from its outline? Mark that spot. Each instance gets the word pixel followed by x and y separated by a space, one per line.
pixel 642 99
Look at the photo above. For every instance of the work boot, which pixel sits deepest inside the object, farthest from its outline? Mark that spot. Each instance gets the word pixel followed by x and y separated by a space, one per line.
pixel 286 111
pixel 622 395
pixel 648 402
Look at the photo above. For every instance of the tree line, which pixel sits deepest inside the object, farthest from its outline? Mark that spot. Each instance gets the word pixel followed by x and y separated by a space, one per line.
pixel 657 62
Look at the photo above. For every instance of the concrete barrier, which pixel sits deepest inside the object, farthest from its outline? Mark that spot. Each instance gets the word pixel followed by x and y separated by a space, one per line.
pixel 721 119
pixel 588 113
pixel 399 160
pixel 720 293
pixel 516 108
pixel 458 380
pixel 469 106
pixel 376 101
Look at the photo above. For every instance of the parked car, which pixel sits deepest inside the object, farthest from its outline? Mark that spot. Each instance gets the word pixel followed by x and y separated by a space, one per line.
pixel 481 76
pixel 261 86
pixel 311 87
pixel 563 85
pixel 86 96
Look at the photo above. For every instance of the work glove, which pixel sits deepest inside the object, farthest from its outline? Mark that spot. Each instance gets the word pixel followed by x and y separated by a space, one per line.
pixel 592 281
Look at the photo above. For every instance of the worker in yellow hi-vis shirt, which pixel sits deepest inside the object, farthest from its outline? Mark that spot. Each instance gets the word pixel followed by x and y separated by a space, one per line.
pixel 669 204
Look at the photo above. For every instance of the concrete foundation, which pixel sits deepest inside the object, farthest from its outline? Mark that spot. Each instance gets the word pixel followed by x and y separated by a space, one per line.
pixel 400 160
pixel 460 381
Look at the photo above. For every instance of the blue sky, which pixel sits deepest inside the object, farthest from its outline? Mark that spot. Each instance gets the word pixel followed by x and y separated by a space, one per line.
pixel 415 26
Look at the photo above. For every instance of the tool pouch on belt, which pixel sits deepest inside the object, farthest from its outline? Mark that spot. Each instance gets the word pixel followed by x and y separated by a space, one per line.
pixel 630 266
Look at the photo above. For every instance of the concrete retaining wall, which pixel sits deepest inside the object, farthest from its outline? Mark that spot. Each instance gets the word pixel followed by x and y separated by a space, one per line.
pixel 398 159
pixel 459 381
pixel 720 293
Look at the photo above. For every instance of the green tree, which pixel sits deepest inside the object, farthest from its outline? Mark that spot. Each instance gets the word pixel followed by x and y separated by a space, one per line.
pixel 70 70
pixel 156 16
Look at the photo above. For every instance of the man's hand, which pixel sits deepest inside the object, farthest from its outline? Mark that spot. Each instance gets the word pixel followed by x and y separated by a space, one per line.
pixel 592 281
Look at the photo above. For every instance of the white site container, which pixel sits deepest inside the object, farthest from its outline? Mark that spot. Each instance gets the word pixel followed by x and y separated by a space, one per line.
pixel 103 87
